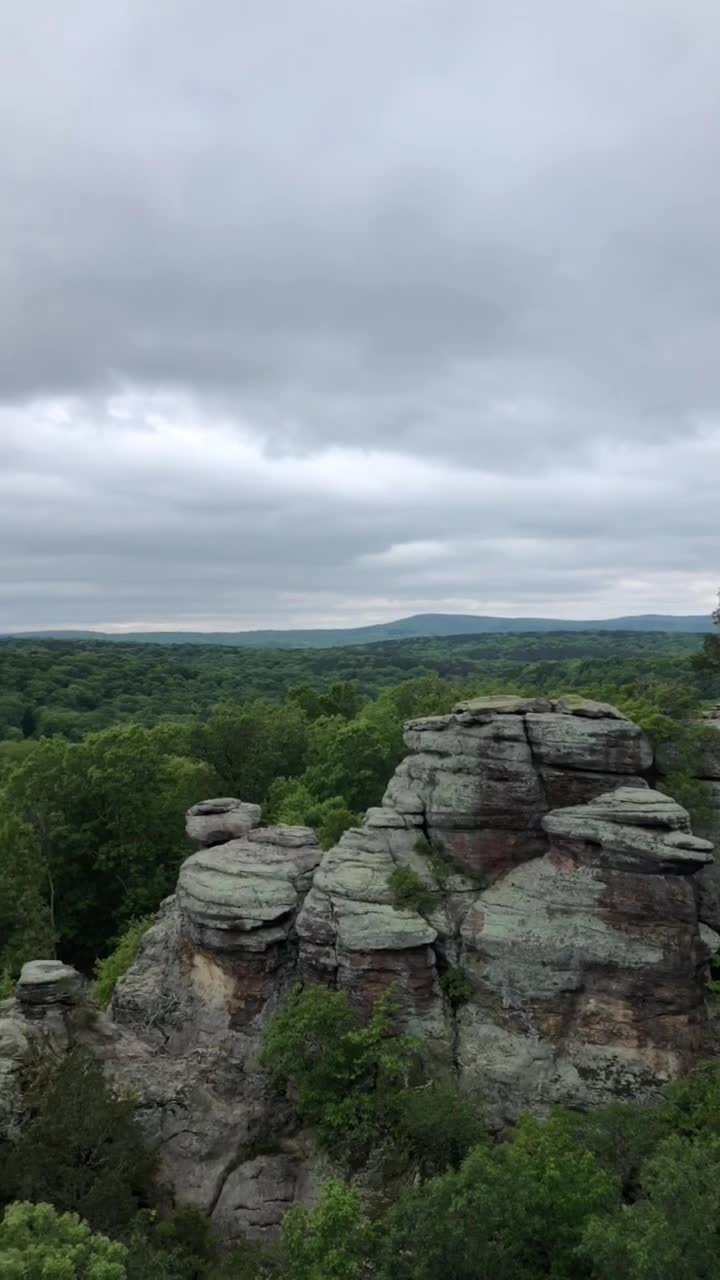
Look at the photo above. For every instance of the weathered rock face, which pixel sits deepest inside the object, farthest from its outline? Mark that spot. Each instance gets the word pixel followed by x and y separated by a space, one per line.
pixel 483 778
pixel 215 821
pixel 563 887
pixel 587 963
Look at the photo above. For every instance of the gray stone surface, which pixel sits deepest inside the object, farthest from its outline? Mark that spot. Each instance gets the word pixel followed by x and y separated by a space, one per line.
pixel 587 962
pixel 215 821
pixel 48 982
pixel 231 889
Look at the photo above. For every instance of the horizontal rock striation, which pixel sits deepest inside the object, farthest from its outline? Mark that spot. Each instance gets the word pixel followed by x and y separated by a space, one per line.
pixel 482 779
pixel 567 893
pixel 587 964
pixel 215 821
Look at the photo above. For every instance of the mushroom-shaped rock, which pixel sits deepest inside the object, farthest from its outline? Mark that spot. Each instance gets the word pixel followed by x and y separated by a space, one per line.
pixel 630 829
pixel 44 983
pixel 214 821
pixel 231 890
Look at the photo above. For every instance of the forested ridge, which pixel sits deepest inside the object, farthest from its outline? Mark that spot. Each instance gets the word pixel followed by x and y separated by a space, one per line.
pixel 419 625
pixel 104 748
pixel 72 687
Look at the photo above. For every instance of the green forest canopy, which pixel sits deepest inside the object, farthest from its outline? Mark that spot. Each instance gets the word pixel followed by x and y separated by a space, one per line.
pixel 103 748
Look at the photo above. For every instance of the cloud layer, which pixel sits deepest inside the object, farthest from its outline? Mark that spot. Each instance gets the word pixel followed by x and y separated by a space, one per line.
pixel 316 315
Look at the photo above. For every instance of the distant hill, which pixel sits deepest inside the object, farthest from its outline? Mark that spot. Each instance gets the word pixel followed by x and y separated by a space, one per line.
pixel 421 624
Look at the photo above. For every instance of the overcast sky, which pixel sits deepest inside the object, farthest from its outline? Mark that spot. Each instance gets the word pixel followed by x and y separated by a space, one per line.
pixel 321 313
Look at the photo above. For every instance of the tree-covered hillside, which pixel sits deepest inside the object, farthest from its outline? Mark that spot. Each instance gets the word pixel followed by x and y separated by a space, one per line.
pixel 419 625
pixel 73 687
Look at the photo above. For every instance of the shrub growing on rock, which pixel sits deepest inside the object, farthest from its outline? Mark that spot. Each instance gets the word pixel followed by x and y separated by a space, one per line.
pixel 109 971
pixel 334 1241
pixel 409 892
pixel 437 1126
pixel 456 987
pixel 346 1076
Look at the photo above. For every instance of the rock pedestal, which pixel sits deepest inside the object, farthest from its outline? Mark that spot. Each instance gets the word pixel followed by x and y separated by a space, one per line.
pixel 45 984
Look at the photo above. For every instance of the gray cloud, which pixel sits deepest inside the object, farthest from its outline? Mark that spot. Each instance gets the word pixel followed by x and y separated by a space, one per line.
pixel 288 289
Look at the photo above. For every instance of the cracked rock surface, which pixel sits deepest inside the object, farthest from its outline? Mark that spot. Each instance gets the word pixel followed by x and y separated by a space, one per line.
pixel 567 892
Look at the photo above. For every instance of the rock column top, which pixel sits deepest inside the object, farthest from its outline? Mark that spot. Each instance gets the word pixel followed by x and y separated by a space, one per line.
pixel 630 828
pixel 234 888
pixel 48 982
pixel 214 821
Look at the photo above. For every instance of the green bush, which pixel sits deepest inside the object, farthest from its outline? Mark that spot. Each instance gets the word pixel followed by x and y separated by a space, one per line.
pixel 38 1243
pixel 692 1103
pixel 409 892
pixel 346 1076
pixel 456 987
pixel 290 800
pixel 621 1136
pixel 334 1241
pixel 672 1232
pixel 179 1246
pixel 437 1126
pixel 515 1211
pixel 82 1150
pixel 109 971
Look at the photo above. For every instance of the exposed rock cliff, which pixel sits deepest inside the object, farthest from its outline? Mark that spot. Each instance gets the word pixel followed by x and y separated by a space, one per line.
pixel 561 885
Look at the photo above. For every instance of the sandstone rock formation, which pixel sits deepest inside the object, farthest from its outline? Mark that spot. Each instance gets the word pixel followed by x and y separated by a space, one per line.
pixel 562 886
pixel 587 963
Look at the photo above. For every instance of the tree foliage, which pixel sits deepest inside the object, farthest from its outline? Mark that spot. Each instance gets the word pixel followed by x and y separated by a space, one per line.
pixel 109 971
pixel 332 1242
pixel 346 1074
pixel 38 1243
pixel 100 828
pixel 82 1149
pixel 709 657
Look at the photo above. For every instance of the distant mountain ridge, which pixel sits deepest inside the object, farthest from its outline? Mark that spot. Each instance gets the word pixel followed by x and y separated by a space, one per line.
pixel 420 624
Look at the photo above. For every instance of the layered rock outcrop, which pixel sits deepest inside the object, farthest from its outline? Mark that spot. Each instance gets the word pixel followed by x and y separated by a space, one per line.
pixel 587 963
pixel 563 887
